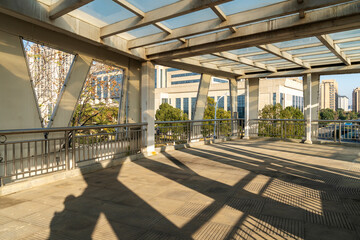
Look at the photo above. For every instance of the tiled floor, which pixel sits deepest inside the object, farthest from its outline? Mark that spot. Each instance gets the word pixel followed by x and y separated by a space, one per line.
pixel 233 190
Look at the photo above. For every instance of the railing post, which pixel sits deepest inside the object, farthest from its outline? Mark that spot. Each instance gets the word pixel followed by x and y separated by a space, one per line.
pixel 284 129
pixel 188 132
pixel 73 149
pixel 340 132
pixel 67 163
pixel 335 130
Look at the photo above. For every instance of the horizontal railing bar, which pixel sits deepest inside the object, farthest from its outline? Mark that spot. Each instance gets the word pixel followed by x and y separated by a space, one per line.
pixel 193 121
pixel 61 129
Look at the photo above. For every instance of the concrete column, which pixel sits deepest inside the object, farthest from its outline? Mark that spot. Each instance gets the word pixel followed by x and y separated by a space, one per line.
pixel 18 105
pixel 71 92
pixel 251 103
pixel 311 85
pixel 148 104
pixel 202 96
pixel 233 97
pixel 123 98
pixel 133 92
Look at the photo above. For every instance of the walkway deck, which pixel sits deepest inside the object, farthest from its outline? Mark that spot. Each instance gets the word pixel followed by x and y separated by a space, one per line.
pixel 233 190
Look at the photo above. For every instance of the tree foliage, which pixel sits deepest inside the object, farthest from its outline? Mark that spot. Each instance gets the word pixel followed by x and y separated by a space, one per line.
pixel 340 114
pixel 166 112
pixel 294 129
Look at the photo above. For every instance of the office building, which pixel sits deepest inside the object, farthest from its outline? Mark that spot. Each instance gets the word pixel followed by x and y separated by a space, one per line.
pixel 179 89
pixel 329 94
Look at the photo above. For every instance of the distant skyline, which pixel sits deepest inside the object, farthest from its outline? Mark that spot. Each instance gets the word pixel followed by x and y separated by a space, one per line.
pixel 346 82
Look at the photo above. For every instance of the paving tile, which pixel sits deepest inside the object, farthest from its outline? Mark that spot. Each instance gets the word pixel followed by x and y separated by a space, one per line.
pixel 17 230
pixel 235 190
pixel 23 209
pixel 323 232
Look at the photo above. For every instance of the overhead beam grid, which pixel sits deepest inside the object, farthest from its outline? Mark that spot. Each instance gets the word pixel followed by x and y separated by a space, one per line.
pixel 334 48
pixel 234 41
pixel 157 15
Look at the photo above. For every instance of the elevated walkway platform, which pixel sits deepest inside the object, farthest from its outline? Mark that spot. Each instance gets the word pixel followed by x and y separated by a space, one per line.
pixel 233 190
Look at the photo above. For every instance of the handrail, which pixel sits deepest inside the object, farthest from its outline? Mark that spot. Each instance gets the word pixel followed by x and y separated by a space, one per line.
pixel 204 120
pixel 303 120
pixel 260 119
pixel 59 129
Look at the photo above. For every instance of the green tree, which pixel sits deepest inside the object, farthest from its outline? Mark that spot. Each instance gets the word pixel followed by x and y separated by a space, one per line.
pixel 340 114
pixel 166 112
pixel 281 128
pixel 208 127
pixel 171 132
pixel 327 114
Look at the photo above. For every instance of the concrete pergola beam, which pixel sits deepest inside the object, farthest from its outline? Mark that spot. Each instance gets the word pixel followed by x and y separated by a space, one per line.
pixel 246 17
pixel 63 7
pixel 325 70
pixel 158 15
pixel 246 61
pixel 284 55
pixel 322 21
pixel 29 19
pixel 334 48
pixel 130 7
pixel 207 68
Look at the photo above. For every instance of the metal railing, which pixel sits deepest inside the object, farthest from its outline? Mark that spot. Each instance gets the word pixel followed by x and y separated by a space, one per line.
pixel 31 152
pixel 180 132
pixel 332 130
pixel 337 130
pixel 277 128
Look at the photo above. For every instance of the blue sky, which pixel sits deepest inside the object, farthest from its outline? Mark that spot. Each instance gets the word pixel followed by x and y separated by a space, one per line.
pixel 347 83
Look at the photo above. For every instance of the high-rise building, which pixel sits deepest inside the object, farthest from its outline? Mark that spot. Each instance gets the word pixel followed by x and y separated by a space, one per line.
pixel 356 100
pixel 343 103
pixel 329 94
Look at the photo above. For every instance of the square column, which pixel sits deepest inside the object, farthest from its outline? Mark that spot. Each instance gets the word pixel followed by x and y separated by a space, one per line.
pixel 311 84
pixel 202 95
pixel 148 104
pixel 233 103
pixel 251 103
pixel 233 97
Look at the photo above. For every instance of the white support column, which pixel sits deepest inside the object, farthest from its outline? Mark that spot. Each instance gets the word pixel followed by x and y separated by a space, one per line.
pixel 311 84
pixel 202 96
pixel 233 103
pixel 133 93
pixel 123 98
pixel 148 104
pixel 233 97
pixel 71 92
pixel 18 105
pixel 251 103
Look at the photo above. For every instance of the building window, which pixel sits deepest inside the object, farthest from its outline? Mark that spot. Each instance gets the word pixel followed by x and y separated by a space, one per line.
pixel 106 87
pixel 282 99
pixel 164 100
pixel 156 78
pixel 241 106
pixel 178 103
pixel 293 101
pixel 185 81
pixel 220 102
pixel 228 103
pixel 218 80
pixel 274 99
pixel 98 88
pixel 161 78
pixel 193 106
pixel 184 75
pixel 186 105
